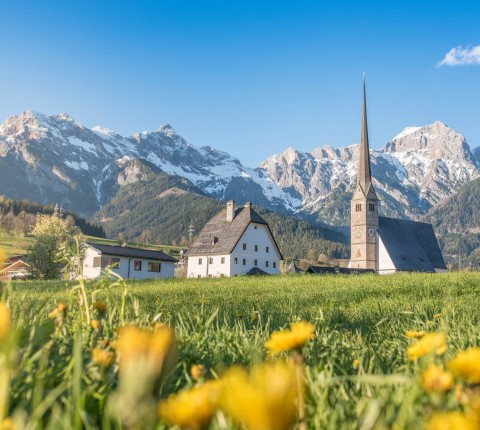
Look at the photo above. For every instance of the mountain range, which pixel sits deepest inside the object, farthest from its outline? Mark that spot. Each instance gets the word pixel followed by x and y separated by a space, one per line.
pixel 54 159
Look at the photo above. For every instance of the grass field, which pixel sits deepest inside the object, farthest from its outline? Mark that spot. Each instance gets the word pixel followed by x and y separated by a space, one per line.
pixel 356 369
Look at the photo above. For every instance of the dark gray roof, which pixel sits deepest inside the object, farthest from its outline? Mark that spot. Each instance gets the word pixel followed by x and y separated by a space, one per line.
pixel 127 251
pixel 220 236
pixel 353 271
pixel 256 272
pixel 411 245
pixel 320 270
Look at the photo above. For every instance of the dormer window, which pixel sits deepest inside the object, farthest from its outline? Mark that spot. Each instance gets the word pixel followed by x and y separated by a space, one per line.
pixel 214 240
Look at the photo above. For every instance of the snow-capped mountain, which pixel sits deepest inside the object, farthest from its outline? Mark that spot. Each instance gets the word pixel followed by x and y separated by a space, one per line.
pixel 55 159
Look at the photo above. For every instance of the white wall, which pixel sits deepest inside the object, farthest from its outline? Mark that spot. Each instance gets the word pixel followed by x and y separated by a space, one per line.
pixel 213 268
pixel 385 264
pixel 261 237
pixel 167 268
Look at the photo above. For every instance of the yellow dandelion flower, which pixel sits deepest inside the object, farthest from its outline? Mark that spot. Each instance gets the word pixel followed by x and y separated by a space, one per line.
pixel 192 409
pixel 437 316
pixel 414 334
pixel 436 379
pixel 295 338
pixel 265 399
pixel 59 311
pixel 141 347
pixel 100 306
pixel 103 358
pixel 466 365
pixel 197 371
pixel 5 322
pixel 356 363
pixel 428 344
pixel 7 424
pixel 96 324
pixel 450 421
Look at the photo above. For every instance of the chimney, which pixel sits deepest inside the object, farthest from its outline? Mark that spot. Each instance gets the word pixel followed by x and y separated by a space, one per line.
pixel 230 210
pixel 248 204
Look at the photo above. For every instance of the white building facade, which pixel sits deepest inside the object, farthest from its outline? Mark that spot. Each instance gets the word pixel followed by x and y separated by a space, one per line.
pixel 128 262
pixel 234 242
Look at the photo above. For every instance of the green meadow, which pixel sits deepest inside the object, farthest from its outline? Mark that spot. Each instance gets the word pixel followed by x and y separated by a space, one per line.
pixel 356 369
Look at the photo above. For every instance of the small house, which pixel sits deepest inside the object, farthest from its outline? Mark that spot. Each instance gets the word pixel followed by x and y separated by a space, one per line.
pixel 126 261
pixel 237 241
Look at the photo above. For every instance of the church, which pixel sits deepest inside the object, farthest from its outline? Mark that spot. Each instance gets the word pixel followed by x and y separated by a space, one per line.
pixel 386 245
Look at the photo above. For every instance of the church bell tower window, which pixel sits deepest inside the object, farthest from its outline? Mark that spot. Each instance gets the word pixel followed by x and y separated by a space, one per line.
pixel 371 207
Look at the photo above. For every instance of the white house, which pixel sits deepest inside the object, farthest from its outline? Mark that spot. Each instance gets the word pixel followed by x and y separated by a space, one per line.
pixel 234 242
pixel 128 262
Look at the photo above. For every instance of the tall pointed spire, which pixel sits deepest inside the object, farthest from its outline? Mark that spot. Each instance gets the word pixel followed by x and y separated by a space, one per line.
pixel 364 176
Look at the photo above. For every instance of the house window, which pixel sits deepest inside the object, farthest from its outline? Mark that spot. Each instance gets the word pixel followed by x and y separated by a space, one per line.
pixel 267 249
pixel 153 267
pixel 103 262
pixel 256 248
pixel 210 260
pixel 235 260
pixel 222 260
pixel 137 265
pixel 244 262
pixel 199 261
pixel 274 264
pixel 244 246
pixel 266 263
pixel 255 227
pixel 371 207
pixel 255 262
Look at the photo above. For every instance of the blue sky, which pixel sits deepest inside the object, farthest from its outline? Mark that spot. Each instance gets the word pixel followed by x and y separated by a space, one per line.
pixel 248 77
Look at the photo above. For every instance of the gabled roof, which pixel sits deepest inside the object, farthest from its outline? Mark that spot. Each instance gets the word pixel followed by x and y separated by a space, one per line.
pixel 293 268
pixel 411 245
pixel 320 270
pixel 220 236
pixel 127 251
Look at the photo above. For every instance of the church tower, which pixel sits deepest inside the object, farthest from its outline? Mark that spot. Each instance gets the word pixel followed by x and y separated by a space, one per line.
pixel 364 207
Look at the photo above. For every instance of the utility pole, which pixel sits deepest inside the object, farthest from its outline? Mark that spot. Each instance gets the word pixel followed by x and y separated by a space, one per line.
pixel 191 232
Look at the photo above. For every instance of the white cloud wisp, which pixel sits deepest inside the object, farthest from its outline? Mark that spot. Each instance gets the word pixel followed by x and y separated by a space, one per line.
pixel 460 56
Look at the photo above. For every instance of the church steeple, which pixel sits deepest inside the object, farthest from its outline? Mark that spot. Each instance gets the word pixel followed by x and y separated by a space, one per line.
pixel 364 176
pixel 364 206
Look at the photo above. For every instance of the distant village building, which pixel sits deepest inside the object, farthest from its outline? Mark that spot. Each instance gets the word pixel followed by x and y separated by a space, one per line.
pixel 234 242
pixel 128 262
pixel 15 268
pixel 386 245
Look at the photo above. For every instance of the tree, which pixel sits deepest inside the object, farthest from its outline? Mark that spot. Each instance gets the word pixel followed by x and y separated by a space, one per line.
pixel 52 236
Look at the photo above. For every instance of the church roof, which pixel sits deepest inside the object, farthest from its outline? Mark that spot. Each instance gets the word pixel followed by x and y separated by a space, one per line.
pixel 411 245
pixel 219 236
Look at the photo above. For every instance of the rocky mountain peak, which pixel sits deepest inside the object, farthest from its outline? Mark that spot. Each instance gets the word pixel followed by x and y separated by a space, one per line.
pixel 167 130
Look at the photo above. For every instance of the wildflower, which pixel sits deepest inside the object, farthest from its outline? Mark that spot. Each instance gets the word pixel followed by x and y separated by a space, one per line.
pixel 96 324
pixel 437 316
pixel 197 371
pixel 103 358
pixel 7 424
pixel 100 306
pixel 436 379
pixel 5 321
pixel 414 334
pixel 59 311
pixel 287 340
pixel 265 399
pixel 356 363
pixel 450 421
pixel 142 347
pixel 430 343
pixel 192 409
pixel 466 365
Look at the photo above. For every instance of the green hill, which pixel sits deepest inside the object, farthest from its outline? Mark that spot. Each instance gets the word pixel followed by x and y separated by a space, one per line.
pixel 160 208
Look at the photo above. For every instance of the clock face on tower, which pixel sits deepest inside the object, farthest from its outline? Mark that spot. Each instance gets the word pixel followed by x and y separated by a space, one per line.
pixel 371 231
pixel 358 233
